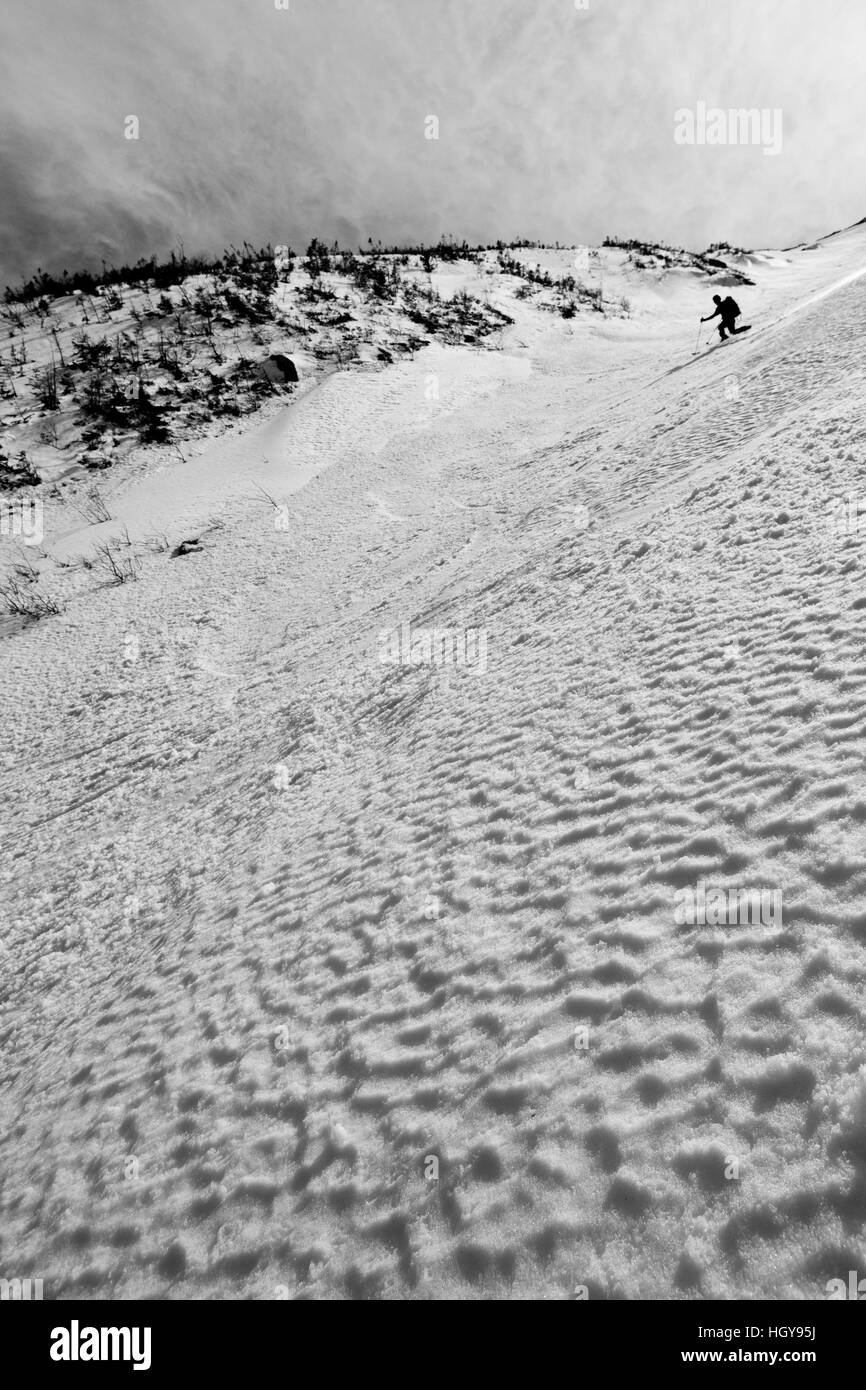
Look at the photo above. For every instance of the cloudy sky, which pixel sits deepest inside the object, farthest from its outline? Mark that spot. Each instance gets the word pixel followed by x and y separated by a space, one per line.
pixel 554 122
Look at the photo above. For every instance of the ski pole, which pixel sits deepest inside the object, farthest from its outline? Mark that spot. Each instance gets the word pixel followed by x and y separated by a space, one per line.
pixel 698 342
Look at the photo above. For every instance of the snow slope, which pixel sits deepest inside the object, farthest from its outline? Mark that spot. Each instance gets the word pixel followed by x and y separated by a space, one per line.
pixel 324 977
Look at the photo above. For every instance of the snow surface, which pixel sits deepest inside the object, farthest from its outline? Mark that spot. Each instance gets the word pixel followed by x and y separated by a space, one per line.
pixel 324 977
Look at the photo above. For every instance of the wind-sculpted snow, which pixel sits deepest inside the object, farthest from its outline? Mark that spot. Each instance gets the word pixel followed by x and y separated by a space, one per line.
pixel 332 976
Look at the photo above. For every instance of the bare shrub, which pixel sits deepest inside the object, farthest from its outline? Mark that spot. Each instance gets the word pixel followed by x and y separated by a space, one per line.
pixel 95 509
pixel 120 569
pixel 26 603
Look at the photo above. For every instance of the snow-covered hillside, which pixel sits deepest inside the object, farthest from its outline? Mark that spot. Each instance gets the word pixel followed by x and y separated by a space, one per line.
pixel 329 975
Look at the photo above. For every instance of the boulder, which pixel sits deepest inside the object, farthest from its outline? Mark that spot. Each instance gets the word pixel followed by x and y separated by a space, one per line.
pixel 279 370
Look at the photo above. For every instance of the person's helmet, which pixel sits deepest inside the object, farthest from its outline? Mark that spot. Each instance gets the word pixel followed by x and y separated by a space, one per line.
pixel 717 299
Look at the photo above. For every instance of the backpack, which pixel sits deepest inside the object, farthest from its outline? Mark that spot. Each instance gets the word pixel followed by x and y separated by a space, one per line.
pixel 733 306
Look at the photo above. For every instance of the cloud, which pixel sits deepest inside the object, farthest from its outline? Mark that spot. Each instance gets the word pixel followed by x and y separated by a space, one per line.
pixel 264 124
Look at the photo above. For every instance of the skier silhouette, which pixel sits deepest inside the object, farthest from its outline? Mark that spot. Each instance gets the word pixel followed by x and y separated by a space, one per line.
pixel 730 311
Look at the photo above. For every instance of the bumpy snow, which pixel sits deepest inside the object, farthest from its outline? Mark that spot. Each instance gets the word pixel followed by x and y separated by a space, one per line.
pixel 325 976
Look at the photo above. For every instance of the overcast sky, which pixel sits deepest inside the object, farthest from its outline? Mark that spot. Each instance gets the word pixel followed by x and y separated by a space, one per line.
pixel 554 122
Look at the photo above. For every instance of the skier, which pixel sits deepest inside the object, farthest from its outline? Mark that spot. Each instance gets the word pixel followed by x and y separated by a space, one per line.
pixel 729 310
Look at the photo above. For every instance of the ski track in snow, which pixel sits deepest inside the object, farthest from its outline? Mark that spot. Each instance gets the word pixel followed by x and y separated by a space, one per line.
pixel 284 924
